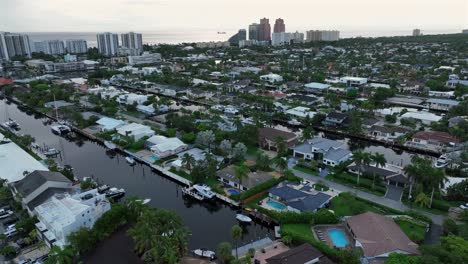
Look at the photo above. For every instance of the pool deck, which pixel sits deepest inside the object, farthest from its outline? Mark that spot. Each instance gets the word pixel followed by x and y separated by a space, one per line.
pixel 327 239
pixel 271 208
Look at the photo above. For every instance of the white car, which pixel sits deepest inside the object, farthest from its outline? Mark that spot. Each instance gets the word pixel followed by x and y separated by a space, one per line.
pixel 5 213
pixel 11 232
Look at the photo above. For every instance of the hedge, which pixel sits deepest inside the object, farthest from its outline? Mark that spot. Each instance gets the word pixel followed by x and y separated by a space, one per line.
pixel 419 216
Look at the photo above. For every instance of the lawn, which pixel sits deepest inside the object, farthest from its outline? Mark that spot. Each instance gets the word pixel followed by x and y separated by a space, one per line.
pixel 305 170
pixel 415 231
pixel 321 187
pixel 301 232
pixel 365 184
pixel 346 204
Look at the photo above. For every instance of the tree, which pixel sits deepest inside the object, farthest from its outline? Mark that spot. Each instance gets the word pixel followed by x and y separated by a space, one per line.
pixel 422 200
pixel 224 252
pixel 236 233
pixel 280 146
pixel 58 255
pixel 361 158
pixel 263 161
pixel 436 179
pixel 226 148
pixel 82 241
pixel 206 138
pixel 188 161
pixel 397 258
pixel 380 161
pixel 281 163
pixel 241 172
pixel 239 151
pixel 307 133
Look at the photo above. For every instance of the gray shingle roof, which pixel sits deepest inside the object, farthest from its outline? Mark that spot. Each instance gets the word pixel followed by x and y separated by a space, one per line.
pixel 311 202
pixel 287 193
pixel 37 178
pixel 336 154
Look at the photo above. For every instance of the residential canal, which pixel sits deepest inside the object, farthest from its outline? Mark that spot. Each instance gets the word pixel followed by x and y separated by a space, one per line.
pixel 210 223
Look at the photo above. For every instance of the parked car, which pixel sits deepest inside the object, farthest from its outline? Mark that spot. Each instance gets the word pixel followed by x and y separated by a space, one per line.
pixel 5 213
pixel 11 233
pixel 25 261
pixel 10 220
pixel 41 260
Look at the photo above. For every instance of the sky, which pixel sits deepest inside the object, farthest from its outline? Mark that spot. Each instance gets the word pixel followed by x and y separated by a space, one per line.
pixel 148 15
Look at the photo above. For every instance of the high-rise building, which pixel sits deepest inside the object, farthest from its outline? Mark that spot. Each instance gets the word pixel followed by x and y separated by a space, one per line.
pixel 297 37
pixel 416 32
pixel 253 31
pixel 279 26
pixel 322 35
pixel 108 44
pixel 51 47
pixel 239 36
pixel 132 40
pixel 76 46
pixel 12 44
pixel 264 30
pixel 280 38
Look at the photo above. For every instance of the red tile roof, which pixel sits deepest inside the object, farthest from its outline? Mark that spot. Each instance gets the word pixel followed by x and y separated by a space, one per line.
pixel 438 136
pixel 4 81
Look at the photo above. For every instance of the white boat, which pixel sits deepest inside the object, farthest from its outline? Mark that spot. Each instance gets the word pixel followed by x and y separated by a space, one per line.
pixel 103 188
pixel 130 161
pixel 190 192
pixel 60 129
pixel 51 152
pixel 110 145
pixel 442 161
pixel 204 191
pixel 145 201
pixel 204 253
pixel 115 193
pixel 243 218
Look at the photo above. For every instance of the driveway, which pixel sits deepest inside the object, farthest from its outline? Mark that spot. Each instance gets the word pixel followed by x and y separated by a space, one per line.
pixel 394 193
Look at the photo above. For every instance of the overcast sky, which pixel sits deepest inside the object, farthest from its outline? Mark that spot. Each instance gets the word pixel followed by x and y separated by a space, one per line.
pixel 147 15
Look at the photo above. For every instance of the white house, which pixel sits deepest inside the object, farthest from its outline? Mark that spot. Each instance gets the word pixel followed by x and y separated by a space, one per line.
pixel 316 87
pixel 107 123
pixel 271 78
pixel 425 117
pixel 137 131
pixel 163 146
pixel 353 81
pixel 330 152
pixel 440 104
pixel 132 98
pixel 146 109
pixel 64 213
pixel 300 112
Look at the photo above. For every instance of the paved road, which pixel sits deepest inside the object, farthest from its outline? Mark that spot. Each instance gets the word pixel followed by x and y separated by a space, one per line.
pixel 397 205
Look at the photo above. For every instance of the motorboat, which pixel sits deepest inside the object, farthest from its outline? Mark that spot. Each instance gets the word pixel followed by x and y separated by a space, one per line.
pixel 442 161
pixel 204 191
pixel 110 145
pixel 204 253
pixel 60 129
pixel 189 191
pixel 51 152
pixel 130 161
pixel 115 193
pixel 145 201
pixel 243 218
pixel 11 125
pixel 103 188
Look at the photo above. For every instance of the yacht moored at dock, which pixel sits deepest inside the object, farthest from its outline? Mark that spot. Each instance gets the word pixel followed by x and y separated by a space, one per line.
pixel 60 129
pixel 130 161
pixel 110 145
pixel 115 193
pixel 190 191
pixel 243 218
pixel 204 191
pixel 204 253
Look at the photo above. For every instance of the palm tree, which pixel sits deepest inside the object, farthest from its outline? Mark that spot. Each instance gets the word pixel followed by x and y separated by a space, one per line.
pixel 281 163
pixel 58 255
pixel 224 252
pixel 236 233
pixel 437 179
pixel 380 161
pixel 360 158
pixel 422 199
pixel 307 133
pixel 280 146
pixel 188 161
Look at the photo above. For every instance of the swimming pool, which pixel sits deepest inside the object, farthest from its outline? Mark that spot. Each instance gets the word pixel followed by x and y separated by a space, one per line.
pixel 338 237
pixel 276 205
pixel 232 191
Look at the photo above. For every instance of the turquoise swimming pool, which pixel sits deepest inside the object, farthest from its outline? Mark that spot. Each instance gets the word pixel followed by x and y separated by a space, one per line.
pixel 276 205
pixel 338 238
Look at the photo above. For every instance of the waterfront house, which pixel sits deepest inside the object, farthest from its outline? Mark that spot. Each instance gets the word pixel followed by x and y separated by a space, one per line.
pixel 335 119
pixel 300 112
pixel 199 94
pixel 57 104
pixel 316 87
pixel 108 124
pixel 38 186
pixel 145 109
pixel 198 155
pixel 136 131
pixel 63 214
pixel 378 236
pixel 440 104
pixel 271 78
pixel 390 174
pixel 228 176
pixel 304 254
pixel 387 133
pixel 132 98
pixel 268 137
pixel 329 152
pixel 434 139
pixel 424 117
pixel 15 163
pixel 456 119
pixel 163 146
pixel 299 198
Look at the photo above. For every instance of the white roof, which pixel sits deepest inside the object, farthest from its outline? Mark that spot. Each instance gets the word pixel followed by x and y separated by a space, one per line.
pixel 109 123
pixel 14 161
pixel 422 116
pixel 133 128
pixel 162 143
pixel 301 111
pixel 316 85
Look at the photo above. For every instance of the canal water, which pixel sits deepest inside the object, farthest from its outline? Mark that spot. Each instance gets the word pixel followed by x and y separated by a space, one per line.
pixel 209 223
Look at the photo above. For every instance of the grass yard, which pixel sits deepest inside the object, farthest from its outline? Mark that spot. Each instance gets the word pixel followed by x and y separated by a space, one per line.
pixel 365 184
pixel 346 204
pixel 415 231
pixel 301 232
pixel 305 170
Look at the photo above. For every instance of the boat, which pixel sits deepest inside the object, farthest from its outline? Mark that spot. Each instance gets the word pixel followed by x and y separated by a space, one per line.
pixel 115 193
pixel 130 161
pixel 110 145
pixel 442 161
pixel 11 125
pixel 190 192
pixel 60 129
pixel 205 253
pixel 51 152
pixel 103 188
pixel 145 201
pixel 204 191
pixel 243 218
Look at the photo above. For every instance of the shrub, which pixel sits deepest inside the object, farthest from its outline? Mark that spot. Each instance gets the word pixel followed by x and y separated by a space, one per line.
pixel 419 216
pixel 440 205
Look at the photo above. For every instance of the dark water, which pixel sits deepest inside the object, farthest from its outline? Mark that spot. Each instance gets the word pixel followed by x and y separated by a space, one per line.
pixel 210 224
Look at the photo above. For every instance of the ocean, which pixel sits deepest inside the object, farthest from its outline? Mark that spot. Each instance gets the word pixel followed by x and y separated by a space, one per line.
pixel 200 35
